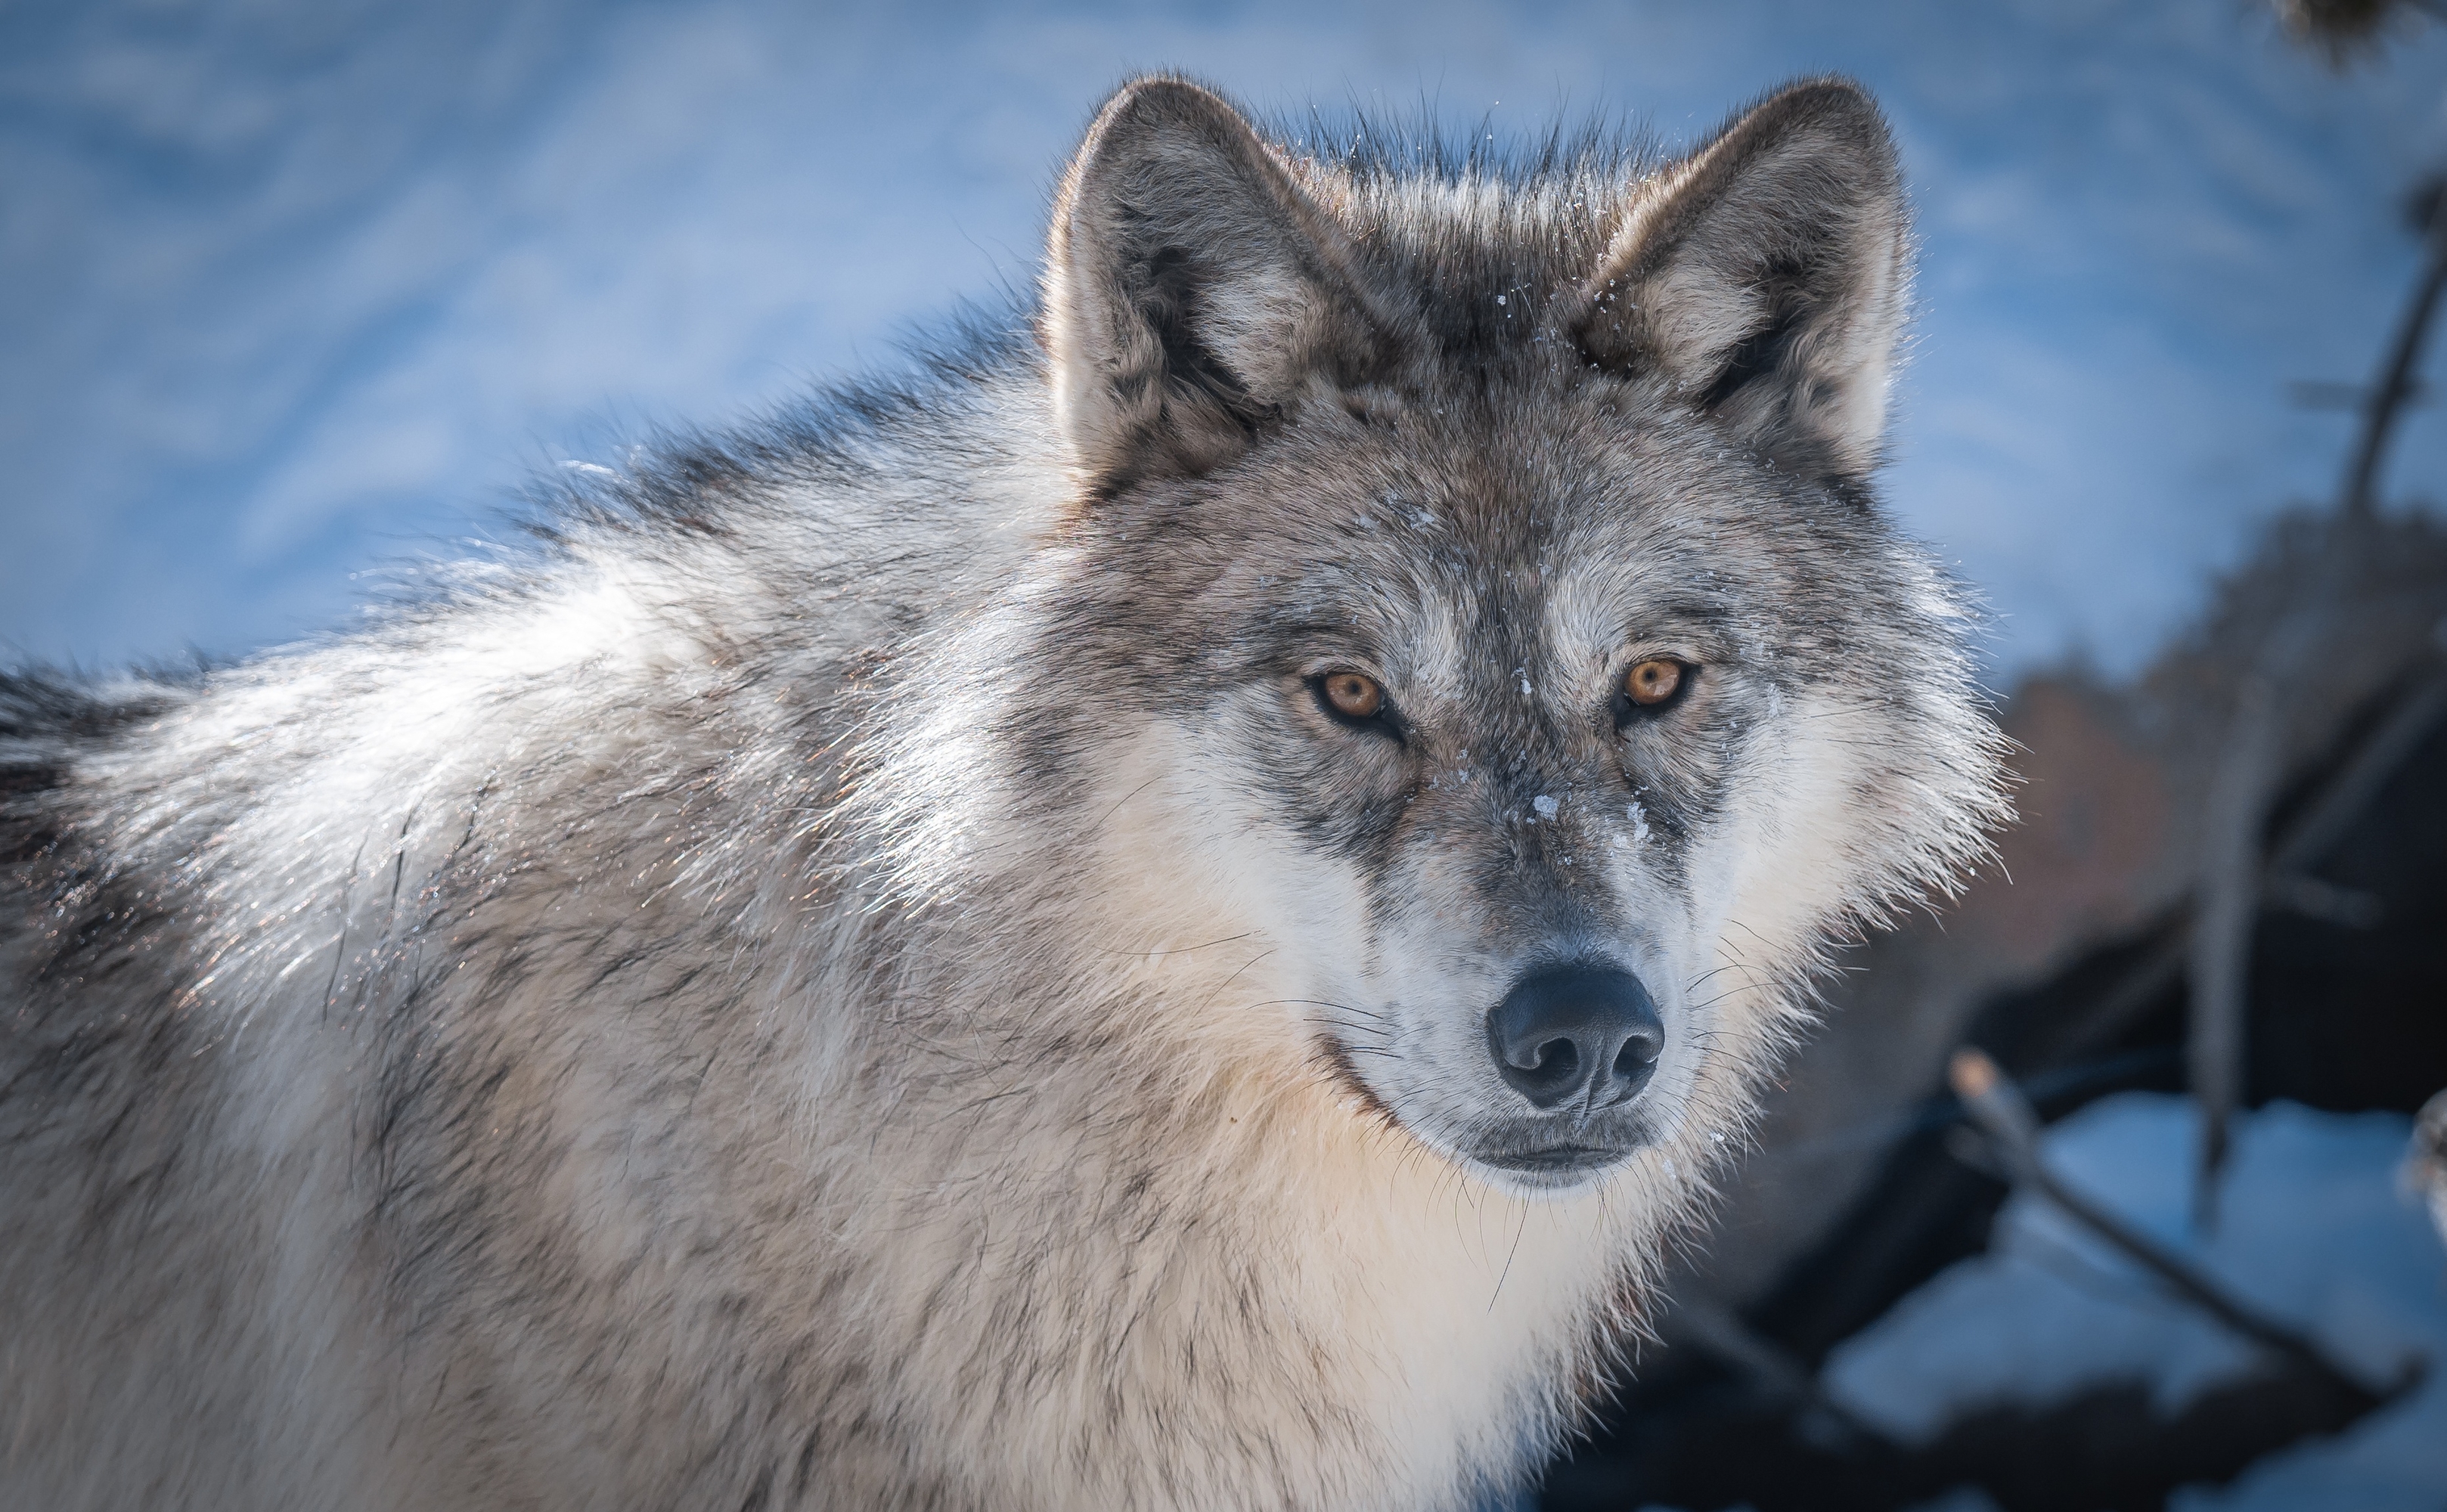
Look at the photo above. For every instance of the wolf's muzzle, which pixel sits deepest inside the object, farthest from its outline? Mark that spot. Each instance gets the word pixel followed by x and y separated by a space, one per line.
pixel 1578 1033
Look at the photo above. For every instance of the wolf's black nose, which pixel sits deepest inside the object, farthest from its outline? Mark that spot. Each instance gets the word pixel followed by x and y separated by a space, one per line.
pixel 1576 1033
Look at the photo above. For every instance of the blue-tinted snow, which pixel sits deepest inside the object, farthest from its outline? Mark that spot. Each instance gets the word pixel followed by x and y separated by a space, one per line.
pixel 2314 1230
pixel 291 289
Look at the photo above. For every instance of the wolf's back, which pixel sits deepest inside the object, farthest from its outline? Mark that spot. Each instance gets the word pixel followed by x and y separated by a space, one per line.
pixel 317 974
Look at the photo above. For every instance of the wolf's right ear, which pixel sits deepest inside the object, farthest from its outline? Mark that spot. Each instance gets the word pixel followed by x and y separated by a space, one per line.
pixel 1764 278
pixel 1192 290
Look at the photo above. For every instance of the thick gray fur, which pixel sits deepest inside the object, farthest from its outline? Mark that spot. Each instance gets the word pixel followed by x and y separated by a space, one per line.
pixel 866 975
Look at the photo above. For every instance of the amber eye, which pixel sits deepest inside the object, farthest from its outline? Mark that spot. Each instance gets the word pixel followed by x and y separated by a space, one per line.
pixel 1353 695
pixel 1652 682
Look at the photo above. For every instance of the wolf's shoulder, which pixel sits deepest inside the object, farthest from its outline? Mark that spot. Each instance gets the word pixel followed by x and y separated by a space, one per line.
pixel 687 636
pixel 778 548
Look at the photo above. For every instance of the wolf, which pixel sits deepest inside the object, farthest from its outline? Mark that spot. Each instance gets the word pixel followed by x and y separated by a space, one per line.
pixel 1172 911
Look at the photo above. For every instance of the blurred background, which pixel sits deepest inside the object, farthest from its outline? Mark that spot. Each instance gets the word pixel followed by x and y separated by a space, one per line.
pixel 295 296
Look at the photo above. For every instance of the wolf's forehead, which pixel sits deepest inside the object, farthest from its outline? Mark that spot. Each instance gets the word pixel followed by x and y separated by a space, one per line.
pixel 1459 614
pixel 1495 539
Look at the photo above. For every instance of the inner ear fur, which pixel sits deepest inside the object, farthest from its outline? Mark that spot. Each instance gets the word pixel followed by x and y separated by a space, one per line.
pixel 1765 278
pixel 1193 292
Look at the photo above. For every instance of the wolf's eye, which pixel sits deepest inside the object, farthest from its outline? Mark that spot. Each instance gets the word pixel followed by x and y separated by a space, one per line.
pixel 1652 682
pixel 1353 695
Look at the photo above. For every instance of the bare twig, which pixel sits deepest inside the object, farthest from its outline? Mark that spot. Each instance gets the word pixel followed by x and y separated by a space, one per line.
pixel 2000 1108
pixel 2235 882
pixel 2398 383
pixel 2232 876
pixel 2227 903
pixel 2342 799
pixel 2308 840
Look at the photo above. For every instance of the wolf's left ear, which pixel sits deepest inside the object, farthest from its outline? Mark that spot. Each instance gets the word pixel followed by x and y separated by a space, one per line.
pixel 1765 278
pixel 1192 290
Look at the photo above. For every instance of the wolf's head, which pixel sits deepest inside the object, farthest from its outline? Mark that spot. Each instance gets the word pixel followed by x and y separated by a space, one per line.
pixel 1473 579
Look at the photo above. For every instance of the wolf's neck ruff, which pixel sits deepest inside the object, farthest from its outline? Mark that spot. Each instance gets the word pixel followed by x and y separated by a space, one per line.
pixel 1169 918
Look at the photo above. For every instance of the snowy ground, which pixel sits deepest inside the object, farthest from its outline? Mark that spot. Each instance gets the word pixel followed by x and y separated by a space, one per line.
pixel 295 291
pixel 2314 1230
